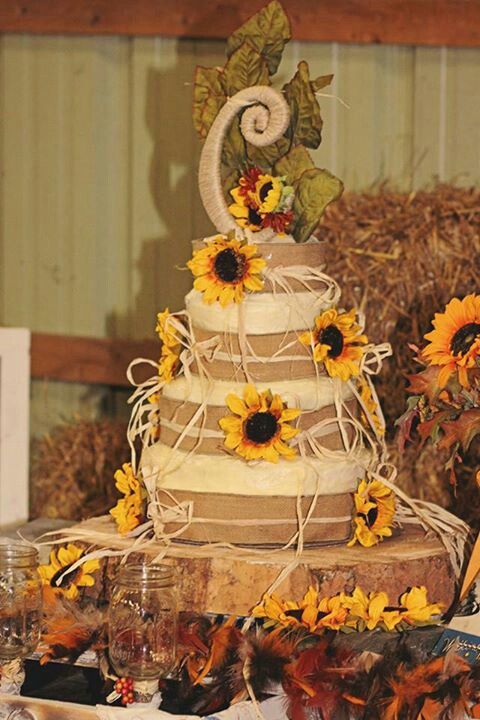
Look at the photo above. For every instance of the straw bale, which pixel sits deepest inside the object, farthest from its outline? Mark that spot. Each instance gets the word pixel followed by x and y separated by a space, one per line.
pixel 400 258
pixel 73 466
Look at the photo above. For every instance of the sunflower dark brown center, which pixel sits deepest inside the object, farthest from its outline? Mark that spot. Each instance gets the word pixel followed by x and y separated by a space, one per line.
pixel 371 516
pixel 264 190
pixel 261 427
pixel 297 614
pixel 464 338
pixel 229 265
pixel 253 217
pixel 69 578
pixel 331 336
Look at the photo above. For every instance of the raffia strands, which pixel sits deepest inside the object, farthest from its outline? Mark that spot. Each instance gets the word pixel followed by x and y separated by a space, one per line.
pixel 401 258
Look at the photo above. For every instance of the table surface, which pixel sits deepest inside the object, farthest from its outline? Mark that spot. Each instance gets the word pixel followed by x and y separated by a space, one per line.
pixel 46 709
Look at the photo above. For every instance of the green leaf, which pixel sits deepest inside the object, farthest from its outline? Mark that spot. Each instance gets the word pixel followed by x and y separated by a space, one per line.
pixel 305 119
pixel 208 98
pixel 245 67
pixel 321 82
pixel 294 163
pixel 265 157
pixel 268 31
pixel 313 192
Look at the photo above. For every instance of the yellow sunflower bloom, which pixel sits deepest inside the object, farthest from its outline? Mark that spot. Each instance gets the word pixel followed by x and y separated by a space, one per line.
pixel 167 333
pixel 259 427
pixel 415 607
pixel 267 195
pixel 372 610
pixel 375 508
pixel 168 364
pixel 455 340
pixel 311 613
pixel 244 213
pixel 60 562
pixel 336 342
pixel 129 510
pixel 225 269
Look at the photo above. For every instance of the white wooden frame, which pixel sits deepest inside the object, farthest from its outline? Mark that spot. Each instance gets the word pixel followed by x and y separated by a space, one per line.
pixel 14 424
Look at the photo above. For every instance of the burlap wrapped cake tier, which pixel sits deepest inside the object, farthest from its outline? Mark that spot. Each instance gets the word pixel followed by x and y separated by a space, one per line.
pixel 271 357
pixel 206 437
pixel 286 255
pixel 262 521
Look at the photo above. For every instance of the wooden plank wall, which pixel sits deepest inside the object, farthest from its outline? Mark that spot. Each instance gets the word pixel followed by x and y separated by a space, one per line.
pixel 98 196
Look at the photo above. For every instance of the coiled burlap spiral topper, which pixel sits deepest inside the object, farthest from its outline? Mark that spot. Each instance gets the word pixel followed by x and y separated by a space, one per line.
pixel 264 120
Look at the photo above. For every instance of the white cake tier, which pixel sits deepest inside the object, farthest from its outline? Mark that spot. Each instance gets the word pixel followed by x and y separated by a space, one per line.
pixel 228 475
pixel 260 314
pixel 306 393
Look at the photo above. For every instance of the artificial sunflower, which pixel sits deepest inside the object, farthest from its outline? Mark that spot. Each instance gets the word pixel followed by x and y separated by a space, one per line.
pixel 225 269
pixel 336 342
pixel 259 427
pixel 455 340
pixel 246 214
pixel 370 404
pixel 415 607
pixel 262 200
pixel 311 613
pixel 375 508
pixel 60 562
pixel 166 330
pixel 372 610
pixel 129 510
pixel 168 364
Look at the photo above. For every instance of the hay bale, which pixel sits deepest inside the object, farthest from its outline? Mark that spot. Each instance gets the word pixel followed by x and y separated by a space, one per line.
pixel 73 466
pixel 400 258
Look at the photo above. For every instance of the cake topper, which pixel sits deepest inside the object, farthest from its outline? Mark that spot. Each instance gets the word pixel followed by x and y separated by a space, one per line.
pixel 256 175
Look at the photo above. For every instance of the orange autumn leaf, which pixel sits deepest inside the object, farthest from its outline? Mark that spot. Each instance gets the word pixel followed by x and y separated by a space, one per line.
pixel 426 428
pixel 425 383
pixel 462 430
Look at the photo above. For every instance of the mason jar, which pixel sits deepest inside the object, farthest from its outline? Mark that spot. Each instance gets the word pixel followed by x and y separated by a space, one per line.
pixel 143 621
pixel 20 601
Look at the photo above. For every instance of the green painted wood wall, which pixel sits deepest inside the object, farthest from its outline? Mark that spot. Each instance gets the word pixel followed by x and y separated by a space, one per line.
pixel 98 156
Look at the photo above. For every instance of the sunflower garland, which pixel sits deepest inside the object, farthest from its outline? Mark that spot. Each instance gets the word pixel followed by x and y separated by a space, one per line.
pixel 259 427
pixel 60 563
pixel 375 512
pixel 336 343
pixel 225 269
pixel 262 201
pixel 454 343
pixel 129 510
pixel 348 612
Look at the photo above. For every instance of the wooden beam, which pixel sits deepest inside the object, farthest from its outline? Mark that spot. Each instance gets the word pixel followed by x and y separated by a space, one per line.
pixel 95 361
pixel 411 22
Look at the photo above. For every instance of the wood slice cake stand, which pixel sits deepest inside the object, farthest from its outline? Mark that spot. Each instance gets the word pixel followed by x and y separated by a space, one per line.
pixel 232 581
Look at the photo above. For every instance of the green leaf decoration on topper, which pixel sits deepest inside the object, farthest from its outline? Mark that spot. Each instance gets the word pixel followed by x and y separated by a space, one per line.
pixel 254 52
